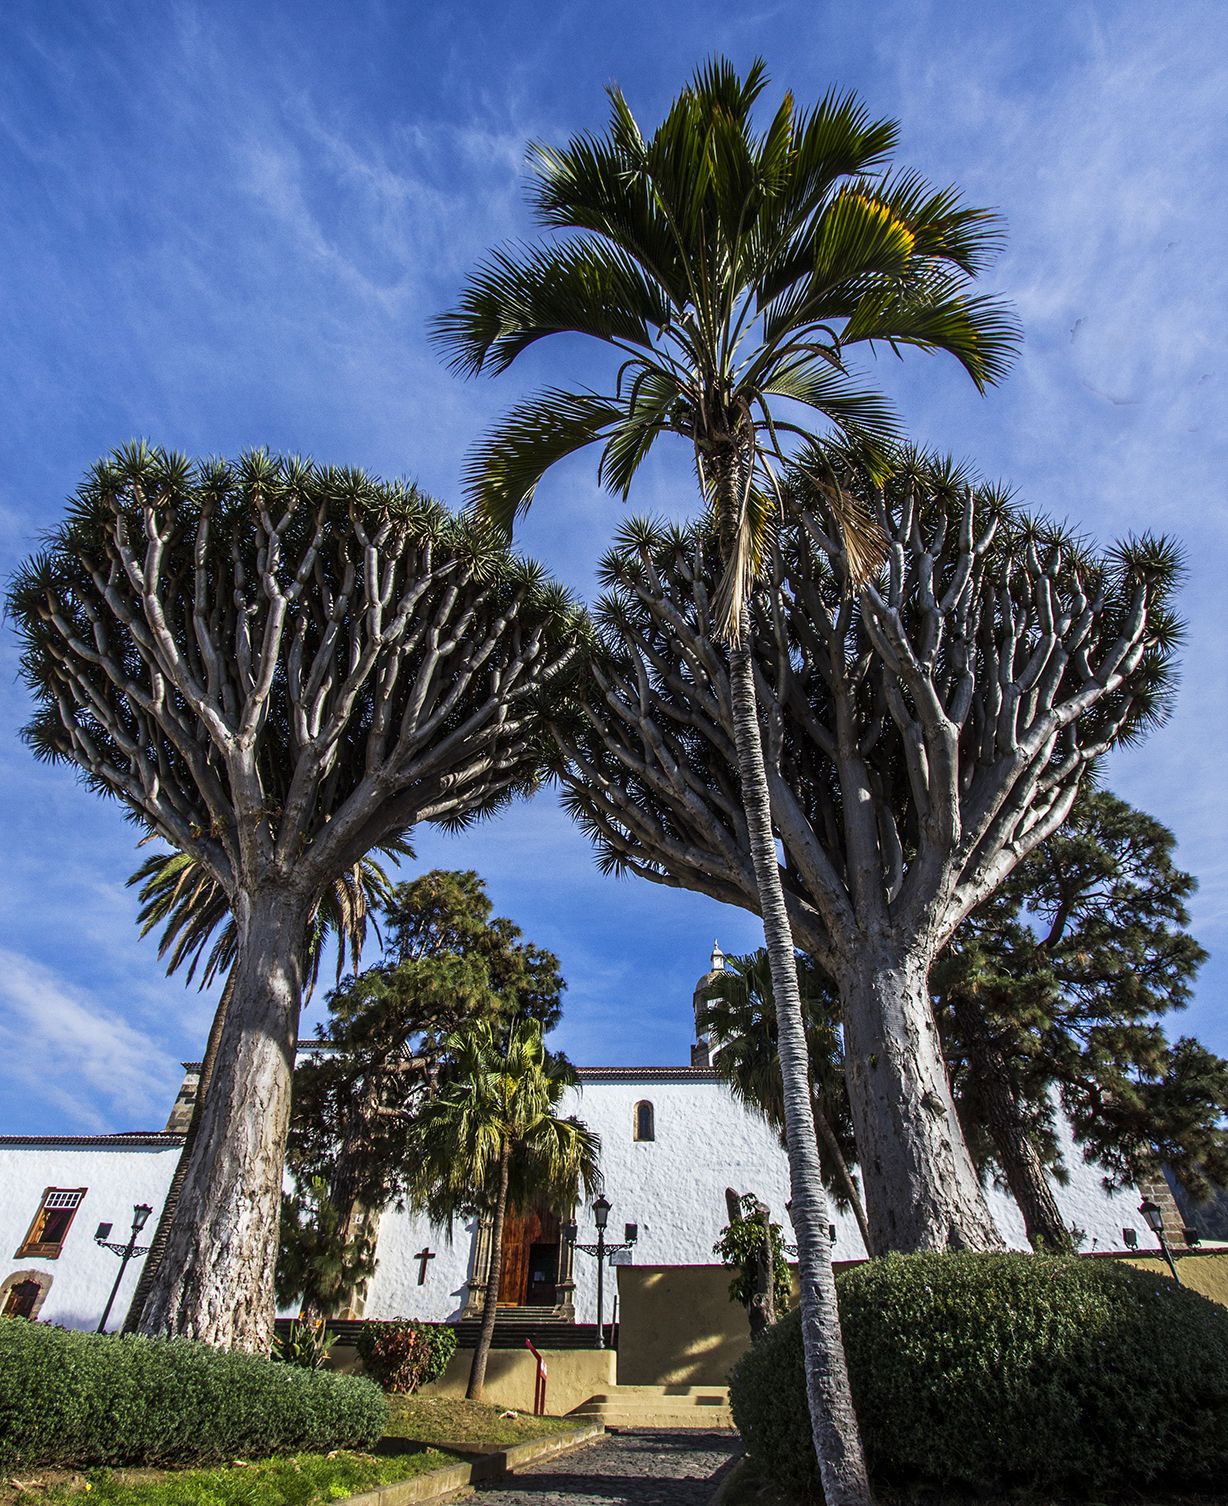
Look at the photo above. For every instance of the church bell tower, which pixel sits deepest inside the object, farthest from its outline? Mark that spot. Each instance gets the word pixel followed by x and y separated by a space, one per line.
pixel 704 1047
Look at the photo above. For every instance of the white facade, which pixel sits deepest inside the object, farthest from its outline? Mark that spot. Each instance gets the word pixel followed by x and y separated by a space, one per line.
pixel 672 1187
pixel 115 1174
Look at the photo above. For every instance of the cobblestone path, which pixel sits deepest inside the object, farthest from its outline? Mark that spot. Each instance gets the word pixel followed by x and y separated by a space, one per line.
pixel 651 1468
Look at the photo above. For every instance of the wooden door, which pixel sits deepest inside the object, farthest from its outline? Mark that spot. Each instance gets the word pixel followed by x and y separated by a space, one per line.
pixel 514 1261
pixel 526 1235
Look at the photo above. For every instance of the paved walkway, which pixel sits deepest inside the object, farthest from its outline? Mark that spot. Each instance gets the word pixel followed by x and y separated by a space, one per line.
pixel 651 1468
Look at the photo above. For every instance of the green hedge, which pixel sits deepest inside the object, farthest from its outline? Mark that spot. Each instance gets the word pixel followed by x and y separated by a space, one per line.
pixel 1050 1372
pixel 76 1399
pixel 402 1354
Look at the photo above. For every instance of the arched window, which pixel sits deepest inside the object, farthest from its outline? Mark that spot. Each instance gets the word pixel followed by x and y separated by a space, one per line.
pixel 645 1128
pixel 22 1293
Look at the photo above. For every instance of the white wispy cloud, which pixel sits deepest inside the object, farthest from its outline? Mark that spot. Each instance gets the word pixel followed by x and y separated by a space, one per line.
pixel 60 1044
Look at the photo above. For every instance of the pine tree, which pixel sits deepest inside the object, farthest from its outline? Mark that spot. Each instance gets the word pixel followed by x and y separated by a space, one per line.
pixel 449 964
pixel 1058 985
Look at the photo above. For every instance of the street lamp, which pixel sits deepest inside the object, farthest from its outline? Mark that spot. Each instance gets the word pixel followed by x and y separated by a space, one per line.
pixel 1154 1215
pixel 601 1217
pixel 140 1216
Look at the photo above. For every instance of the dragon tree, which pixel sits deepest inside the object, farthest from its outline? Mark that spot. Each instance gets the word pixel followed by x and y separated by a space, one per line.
pixel 276 667
pixel 921 735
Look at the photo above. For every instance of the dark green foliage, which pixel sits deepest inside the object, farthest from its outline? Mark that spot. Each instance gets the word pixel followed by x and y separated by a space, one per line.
pixel 448 963
pixel 403 1355
pixel 77 1399
pixel 741 1246
pixel 1050 1372
pixel 1059 981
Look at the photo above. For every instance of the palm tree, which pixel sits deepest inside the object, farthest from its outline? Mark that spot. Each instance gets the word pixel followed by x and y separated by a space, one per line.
pixel 740 1019
pixel 730 271
pixel 198 929
pixel 490 1140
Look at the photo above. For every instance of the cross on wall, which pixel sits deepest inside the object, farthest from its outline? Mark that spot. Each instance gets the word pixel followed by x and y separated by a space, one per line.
pixel 422 1257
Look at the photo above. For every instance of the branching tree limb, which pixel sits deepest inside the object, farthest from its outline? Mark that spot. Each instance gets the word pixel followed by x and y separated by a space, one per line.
pixel 275 667
pixel 921 736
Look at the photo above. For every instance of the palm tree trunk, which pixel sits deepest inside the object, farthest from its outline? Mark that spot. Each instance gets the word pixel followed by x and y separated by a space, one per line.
pixel 490 1303
pixel 215 1282
pixel 838 1169
pixel 157 1248
pixel 837 1440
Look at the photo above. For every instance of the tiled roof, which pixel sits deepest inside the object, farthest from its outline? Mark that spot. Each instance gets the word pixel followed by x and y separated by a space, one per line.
pixel 142 1138
pixel 654 1074
pixel 679 1073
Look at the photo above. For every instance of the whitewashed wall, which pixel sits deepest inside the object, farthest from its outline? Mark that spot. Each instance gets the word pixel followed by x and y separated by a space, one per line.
pixel 672 1187
pixel 116 1178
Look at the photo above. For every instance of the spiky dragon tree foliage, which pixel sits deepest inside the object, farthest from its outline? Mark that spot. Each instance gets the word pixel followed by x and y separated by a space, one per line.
pixel 921 736
pixel 276 666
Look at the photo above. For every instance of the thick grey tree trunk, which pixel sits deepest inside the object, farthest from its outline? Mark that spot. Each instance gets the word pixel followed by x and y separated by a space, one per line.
pixel 922 1188
pixel 837 1440
pixel 166 1218
pixel 490 1303
pixel 215 1281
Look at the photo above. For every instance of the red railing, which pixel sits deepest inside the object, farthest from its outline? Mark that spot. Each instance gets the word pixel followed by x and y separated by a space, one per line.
pixel 539 1389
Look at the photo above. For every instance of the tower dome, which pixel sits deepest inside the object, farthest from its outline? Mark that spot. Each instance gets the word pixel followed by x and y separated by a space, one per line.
pixel 701 1051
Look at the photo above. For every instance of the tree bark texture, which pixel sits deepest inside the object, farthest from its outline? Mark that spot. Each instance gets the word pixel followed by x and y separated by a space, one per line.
pixel 922 1188
pixel 157 1249
pixel 215 1282
pixel 490 1302
pixel 837 1440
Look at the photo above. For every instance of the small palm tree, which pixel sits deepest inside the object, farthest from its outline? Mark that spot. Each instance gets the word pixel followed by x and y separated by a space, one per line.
pixel 739 1015
pixel 198 930
pixel 491 1140
pixel 730 271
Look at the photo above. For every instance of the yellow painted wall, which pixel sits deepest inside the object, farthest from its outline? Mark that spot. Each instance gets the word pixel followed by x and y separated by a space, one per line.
pixel 1206 1273
pixel 574 1376
pixel 677 1326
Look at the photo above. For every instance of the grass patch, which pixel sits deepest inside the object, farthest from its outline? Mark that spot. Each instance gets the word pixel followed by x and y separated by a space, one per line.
pixel 448 1420
pixel 290 1480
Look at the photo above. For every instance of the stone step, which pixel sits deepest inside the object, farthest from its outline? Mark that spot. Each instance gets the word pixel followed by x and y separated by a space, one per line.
pixel 658 1407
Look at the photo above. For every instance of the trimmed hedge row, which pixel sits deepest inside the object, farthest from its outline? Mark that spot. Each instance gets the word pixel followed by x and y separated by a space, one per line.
pixel 989 1371
pixel 75 1399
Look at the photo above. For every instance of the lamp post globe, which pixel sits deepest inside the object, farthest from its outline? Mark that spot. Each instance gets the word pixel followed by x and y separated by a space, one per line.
pixel 1154 1215
pixel 140 1217
pixel 601 1213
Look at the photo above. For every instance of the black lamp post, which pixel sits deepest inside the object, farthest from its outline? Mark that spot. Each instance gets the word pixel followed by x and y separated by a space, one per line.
pixel 1154 1215
pixel 601 1217
pixel 140 1215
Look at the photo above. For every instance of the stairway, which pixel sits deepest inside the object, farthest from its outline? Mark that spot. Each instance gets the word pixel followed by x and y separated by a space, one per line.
pixel 513 1325
pixel 658 1407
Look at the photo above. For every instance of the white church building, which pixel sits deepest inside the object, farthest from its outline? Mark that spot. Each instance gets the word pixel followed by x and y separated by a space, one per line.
pixel 672 1140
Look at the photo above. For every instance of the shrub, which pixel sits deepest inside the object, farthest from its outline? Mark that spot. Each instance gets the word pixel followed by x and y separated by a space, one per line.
pixel 304 1343
pixel 995 1370
pixel 403 1355
pixel 76 1399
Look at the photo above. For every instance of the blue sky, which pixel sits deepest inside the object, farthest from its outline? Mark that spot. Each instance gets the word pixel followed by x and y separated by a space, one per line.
pixel 225 225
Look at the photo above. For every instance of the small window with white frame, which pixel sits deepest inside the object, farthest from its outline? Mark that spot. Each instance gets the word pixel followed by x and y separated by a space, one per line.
pixel 46 1235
